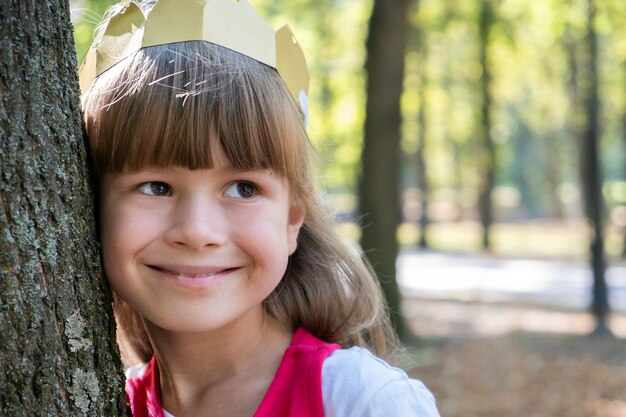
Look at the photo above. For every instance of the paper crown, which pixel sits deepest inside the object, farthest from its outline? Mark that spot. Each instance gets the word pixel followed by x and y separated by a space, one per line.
pixel 233 24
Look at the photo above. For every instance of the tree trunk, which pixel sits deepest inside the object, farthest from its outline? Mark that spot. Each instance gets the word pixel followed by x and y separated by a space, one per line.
pixel 58 355
pixel 420 155
pixel 379 182
pixel 487 159
pixel 592 174
pixel 624 140
pixel 551 152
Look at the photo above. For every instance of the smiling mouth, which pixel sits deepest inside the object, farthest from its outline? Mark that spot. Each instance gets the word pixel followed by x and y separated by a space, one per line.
pixel 191 272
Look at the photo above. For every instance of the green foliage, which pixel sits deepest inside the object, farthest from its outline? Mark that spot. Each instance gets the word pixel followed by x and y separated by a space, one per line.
pixel 533 115
pixel 86 14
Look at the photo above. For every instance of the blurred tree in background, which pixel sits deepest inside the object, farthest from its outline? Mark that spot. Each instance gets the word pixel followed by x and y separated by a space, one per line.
pixel 487 152
pixel 379 182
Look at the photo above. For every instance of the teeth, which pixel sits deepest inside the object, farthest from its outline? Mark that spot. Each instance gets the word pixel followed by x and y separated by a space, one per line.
pixel 194 276
pixel 186 275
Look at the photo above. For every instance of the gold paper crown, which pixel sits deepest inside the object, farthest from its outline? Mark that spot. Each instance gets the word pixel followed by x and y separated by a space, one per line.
pixel 233 24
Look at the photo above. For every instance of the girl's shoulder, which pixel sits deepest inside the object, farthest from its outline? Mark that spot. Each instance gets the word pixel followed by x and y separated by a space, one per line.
pixel 357 383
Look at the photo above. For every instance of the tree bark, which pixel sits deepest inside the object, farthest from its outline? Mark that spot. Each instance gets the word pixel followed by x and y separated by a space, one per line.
pixel 379 182
pixel 58 355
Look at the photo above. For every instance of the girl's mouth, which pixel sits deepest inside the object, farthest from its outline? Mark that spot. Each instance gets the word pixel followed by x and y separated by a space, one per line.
pixel 186 271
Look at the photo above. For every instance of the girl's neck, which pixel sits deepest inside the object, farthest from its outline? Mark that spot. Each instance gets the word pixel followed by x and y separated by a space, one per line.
pixel 226 371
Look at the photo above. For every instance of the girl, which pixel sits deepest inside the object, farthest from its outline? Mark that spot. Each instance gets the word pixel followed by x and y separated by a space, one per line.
pixel 231 285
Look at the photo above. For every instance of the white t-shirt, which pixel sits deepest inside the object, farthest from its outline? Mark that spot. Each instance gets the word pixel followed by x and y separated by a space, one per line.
pixel 355 383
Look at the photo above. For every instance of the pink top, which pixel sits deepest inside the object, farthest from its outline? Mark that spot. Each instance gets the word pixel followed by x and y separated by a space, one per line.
pixel 296 390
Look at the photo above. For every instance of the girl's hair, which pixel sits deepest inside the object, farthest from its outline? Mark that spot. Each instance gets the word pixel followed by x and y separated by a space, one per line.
pixel 171 105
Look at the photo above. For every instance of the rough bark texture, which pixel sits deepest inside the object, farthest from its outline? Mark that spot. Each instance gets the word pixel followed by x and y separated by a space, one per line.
pixel 57 342
pixel 379 184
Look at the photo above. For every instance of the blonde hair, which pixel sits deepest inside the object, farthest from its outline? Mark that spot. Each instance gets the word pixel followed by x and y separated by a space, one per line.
pixel 171 105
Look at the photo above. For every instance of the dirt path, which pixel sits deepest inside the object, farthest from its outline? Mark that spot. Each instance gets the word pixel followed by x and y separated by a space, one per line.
pixel 496 360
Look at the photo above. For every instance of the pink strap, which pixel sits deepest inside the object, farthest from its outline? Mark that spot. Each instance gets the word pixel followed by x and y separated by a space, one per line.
pixel 143 392
pixel 296 390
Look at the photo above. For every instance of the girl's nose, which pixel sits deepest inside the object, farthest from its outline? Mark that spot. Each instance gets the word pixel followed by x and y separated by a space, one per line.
pixel 197 223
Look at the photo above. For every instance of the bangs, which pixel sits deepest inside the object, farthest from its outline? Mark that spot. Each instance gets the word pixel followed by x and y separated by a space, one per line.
pixel 170 105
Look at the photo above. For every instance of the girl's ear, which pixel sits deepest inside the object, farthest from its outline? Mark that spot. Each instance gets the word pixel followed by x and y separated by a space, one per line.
pixel 297 213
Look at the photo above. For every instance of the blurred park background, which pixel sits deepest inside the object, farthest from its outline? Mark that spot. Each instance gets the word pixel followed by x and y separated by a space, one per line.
pixel 507 208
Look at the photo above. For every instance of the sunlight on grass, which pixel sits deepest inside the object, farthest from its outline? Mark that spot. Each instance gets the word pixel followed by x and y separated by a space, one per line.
pixel 537 238
pixel 541 239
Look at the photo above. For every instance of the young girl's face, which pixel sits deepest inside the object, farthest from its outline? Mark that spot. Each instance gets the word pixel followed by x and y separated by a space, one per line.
pixel 196 250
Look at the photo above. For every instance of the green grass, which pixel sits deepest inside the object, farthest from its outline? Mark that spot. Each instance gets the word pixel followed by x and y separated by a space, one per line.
pixel 536 238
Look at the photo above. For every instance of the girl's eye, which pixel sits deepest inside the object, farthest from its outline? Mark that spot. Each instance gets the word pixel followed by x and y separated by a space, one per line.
pixel 241 190
pixel 155 188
